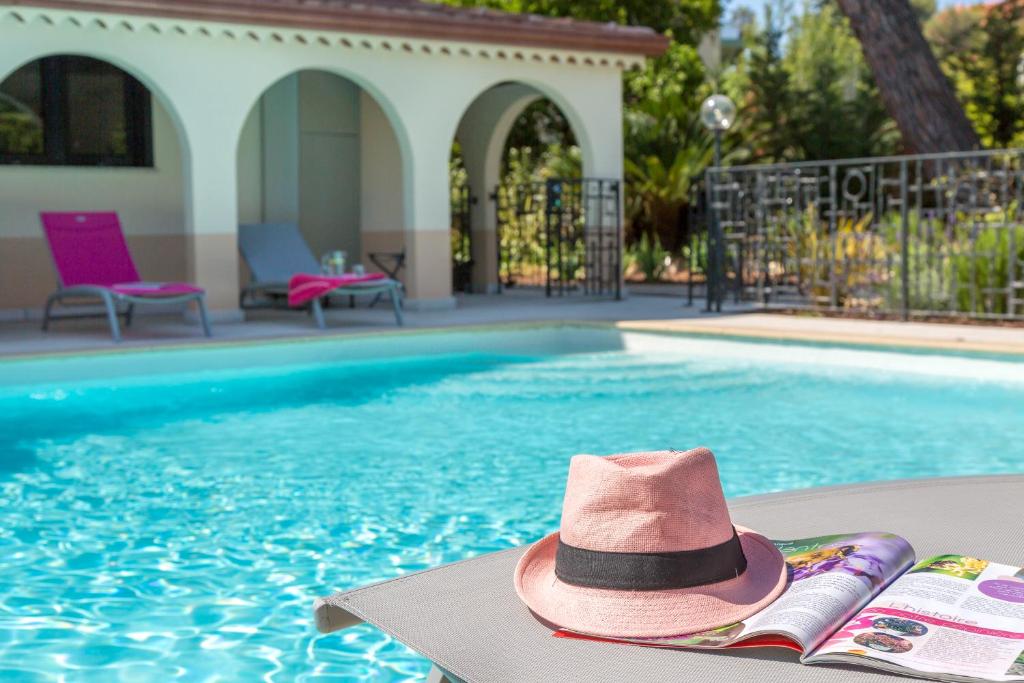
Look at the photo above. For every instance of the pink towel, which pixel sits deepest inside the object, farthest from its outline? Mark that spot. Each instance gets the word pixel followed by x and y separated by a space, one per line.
pixel 303 287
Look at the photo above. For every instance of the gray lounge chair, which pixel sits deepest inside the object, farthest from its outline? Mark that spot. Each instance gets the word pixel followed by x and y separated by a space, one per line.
pixel 467 620
pixel 275 252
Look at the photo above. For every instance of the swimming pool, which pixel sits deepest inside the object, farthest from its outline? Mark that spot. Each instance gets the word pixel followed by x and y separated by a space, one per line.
pixel 173 514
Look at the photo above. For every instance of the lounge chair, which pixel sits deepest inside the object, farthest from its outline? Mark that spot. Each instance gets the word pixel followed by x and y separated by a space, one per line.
pixel 468 621
pixel 276 253
pixel 92 261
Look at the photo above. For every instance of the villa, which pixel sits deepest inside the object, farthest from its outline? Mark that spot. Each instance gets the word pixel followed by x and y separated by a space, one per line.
pixel 337 116
pixel 426 492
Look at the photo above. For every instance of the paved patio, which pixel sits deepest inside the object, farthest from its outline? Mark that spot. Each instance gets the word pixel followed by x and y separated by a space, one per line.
pixel 641 313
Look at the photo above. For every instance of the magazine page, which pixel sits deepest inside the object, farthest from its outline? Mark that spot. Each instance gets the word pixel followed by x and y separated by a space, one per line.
pixel 952 615
pixel 831 577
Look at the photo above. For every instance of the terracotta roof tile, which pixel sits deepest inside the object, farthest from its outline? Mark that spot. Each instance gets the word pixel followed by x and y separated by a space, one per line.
pixel 412 18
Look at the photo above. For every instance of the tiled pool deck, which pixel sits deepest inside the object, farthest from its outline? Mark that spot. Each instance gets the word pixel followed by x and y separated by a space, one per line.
pixel 647 313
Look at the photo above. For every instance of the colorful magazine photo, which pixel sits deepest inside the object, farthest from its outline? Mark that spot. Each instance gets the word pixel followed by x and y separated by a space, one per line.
pixel 863 599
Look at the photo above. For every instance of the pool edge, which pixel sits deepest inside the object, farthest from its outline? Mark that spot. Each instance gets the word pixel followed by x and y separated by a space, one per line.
pixel 199 344
pixel 867 341
pixel 661 327
pixel 790 495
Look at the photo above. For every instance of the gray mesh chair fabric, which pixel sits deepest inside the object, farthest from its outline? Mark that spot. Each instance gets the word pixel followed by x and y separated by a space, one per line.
pixel 466 618
pixel 275 252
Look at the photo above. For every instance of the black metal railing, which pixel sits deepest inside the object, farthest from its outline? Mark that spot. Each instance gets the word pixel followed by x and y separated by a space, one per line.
pixel 564 235
pixel 924 235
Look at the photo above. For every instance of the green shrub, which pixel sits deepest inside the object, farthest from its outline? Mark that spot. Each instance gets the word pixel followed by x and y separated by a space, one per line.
pixel 649 257
pixel 982 267
pixel 965 269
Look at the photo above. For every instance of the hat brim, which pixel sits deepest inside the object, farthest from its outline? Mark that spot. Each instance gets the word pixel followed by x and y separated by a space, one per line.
pixel 651 614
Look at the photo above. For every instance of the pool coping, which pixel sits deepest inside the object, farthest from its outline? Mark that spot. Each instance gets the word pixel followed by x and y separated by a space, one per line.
pixel 875 341
pixel 880 485
pixel 341 336
pixel 682 328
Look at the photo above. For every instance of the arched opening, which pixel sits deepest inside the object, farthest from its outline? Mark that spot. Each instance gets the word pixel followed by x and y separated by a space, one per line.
pixel 318 152
pixel 523 215
pixel 83 134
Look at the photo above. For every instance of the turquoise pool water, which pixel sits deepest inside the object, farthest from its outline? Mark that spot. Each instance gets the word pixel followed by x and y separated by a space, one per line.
pixel 158 524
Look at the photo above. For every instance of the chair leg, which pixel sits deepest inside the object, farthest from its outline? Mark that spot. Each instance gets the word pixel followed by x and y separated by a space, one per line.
pixel 436 675
pixel 115 326
pixel 318 314
pixel 50 301
pixel 396 302
pixel 401 290
pixel 204 319
pixel 128 315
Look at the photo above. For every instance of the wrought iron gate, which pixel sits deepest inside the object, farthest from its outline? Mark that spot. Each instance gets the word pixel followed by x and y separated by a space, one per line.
pixel 563 235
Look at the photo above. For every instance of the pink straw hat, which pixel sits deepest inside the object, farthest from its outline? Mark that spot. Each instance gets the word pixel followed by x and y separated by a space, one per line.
pixel 647 549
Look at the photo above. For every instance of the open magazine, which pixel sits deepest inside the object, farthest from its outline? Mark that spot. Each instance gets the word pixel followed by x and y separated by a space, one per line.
pixel 860 599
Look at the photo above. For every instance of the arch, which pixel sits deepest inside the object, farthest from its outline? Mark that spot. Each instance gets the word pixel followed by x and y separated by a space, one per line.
pixel 545 90
pixel 507 107
pixel 255 91
pixel 319 149
pixel 141 75
pixel 153 202
pixel 482 132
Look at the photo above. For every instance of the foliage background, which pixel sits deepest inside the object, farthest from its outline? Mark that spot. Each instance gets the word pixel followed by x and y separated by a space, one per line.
pixel 796 71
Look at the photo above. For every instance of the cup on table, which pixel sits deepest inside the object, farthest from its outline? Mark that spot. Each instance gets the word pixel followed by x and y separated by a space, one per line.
pixel 358 269
pixel 333 263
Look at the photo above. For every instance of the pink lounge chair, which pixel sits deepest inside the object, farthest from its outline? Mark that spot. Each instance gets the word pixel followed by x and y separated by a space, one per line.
pixel 92 260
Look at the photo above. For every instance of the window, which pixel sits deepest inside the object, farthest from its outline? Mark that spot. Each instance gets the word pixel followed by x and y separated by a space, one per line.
pixel 74 111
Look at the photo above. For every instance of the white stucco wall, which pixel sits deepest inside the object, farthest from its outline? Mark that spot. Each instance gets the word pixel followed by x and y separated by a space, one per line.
pixel 250 169
pixel 279 161
pixel 329 174
pixel 381 161
pixel 212 74
pixel 150 200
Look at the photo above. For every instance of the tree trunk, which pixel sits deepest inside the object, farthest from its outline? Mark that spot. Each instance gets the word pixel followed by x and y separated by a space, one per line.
pixel 915 91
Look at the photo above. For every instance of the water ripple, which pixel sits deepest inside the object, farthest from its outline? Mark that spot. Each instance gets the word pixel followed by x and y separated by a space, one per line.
pixel 181 531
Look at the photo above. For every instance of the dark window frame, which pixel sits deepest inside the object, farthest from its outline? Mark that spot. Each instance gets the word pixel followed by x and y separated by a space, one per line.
pixel 56 95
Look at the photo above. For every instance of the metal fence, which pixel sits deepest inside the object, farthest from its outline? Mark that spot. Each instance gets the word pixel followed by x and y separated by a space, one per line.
pixel 909 235
pixel 564 235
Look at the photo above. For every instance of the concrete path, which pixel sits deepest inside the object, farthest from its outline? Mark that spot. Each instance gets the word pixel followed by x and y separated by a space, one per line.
pixel 984 338
pixel 641 313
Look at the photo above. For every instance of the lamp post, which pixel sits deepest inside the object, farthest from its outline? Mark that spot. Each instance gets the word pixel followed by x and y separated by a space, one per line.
pixel 718 114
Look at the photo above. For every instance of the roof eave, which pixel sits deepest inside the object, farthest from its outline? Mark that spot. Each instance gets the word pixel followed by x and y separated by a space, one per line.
pixel 346 20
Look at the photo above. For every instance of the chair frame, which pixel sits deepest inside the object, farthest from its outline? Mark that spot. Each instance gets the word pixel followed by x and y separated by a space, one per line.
pixel 293 258
pixel 398 262
pixel 106 293
pixel 111 299
pixel 247 300
pixel 390 287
